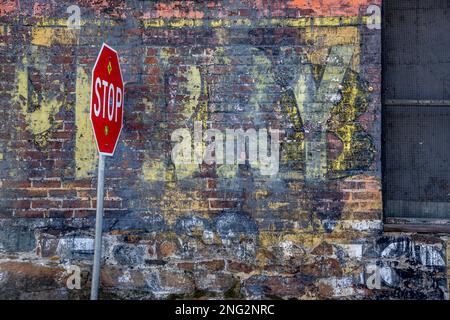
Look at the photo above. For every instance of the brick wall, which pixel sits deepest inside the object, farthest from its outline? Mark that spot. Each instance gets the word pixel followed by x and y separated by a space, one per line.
pixel 311 230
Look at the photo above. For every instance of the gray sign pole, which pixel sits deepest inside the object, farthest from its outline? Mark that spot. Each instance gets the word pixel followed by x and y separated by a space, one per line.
pixel 98 228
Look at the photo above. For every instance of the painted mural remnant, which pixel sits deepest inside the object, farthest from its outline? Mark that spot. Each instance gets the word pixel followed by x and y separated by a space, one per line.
pixel 315 104
pixel 357 146
pixel 311 151
pixel 209 230
pixel 38 107
pixel 85 149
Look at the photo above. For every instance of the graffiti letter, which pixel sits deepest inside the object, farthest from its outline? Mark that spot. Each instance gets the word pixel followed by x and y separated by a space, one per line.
pixel 315 104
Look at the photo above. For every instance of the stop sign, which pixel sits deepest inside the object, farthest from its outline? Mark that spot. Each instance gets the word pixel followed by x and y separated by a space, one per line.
pixel 107 100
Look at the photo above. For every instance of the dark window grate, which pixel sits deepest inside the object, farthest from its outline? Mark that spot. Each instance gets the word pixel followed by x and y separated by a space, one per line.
pixel 416 120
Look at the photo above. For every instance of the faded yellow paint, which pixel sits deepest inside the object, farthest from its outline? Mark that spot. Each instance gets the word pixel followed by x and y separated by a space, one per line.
pixel 219 53
pixel 230 22
pixel 193 87
pixel 343 123
pixel 149 107
pixel 313 22
pixel 39 108
pixel 39 120
pixel 298 23
pixel 277 205
pixel 216 23
pixel 1 156
pixel 227 171
pixel 325 37
pixel 263 78
pixel 327 21
pixel 345 133
pixel 51 22
pixel 22 83
pixel 176 203
pixel 222 37
pixel 164 55
pixel 293 148
pixel 305 22
pixel 154 170
pixel 4 30
pixel 185 171
pixel 193 110
pixel 46 36
pixel 85 148
pixel 261 193
pixel 201 112
pixel 181 23
pixel 154 23
pixel 344 43
pixel 62 22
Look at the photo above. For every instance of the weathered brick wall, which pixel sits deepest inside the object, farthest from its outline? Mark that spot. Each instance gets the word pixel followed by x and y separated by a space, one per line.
pixel 312 230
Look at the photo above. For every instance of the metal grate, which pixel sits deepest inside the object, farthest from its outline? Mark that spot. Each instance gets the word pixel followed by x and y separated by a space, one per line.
pixel 416 121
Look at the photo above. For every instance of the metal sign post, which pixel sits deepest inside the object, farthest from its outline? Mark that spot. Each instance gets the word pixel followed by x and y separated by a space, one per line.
pixel 107 101
pixel 98 228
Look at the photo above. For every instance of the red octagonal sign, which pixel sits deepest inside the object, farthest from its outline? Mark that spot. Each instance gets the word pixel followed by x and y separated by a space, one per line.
pixel 107 100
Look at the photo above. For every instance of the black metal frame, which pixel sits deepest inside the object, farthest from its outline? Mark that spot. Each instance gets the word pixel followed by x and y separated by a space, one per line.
pixel 414 225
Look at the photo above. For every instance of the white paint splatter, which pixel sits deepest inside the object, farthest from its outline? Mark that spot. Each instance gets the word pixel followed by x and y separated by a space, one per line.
pixel 362 225
pixel 353 250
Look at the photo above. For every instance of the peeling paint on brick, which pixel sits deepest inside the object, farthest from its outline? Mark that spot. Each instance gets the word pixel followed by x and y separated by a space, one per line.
pixel 313 230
